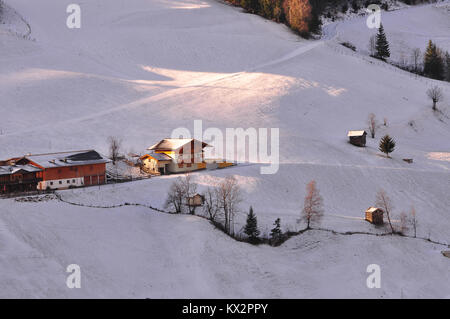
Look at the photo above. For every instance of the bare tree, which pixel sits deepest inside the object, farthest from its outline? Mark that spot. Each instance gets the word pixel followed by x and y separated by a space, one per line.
pixel 384 202
pixel 435 94
pixel 189 189
pixel 313 205
pixel 404 223
pixel 114 148
pixel 229 197
pixel 176 196
pixel 372 122
pixel 373 45
pixel 413 220
pixel 211 205
pixel 416 58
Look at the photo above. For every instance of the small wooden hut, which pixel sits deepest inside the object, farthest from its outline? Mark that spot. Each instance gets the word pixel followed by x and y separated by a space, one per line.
pixel 374 215
pixel 357 138
pixel 196 200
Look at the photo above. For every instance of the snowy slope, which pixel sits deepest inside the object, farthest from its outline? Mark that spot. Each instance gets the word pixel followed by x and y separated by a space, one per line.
pixel 138 70
pixel 406 29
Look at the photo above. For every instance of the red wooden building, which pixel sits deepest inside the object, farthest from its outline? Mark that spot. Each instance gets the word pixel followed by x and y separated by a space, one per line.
pixel 68 169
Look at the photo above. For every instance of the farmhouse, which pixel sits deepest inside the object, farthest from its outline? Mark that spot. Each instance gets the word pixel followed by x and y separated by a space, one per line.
pixel 175 155
pixel 67 169
pixel 375 215
pixel 156 163
pixel 19 178
pixel 357 138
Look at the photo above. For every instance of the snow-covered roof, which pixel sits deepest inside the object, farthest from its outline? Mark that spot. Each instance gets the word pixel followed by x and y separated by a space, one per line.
pixel 160 156
pixel 63 159
pixel 12 169
pixel 356 133
pixel 174 144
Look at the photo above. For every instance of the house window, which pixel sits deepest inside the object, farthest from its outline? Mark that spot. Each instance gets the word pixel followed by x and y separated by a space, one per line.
pixel 73 181
pixel 68 181
pixel 51 183
pixel 60 182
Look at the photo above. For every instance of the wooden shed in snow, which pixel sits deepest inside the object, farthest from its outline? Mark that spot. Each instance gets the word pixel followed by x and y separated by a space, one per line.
pixel 196 200
pixel 375 215
pixel 357 138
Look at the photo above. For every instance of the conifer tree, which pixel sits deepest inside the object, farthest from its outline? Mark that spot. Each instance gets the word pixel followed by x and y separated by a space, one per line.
pixel 251 227
pixel 433 65
pixel 387 145
pixel 276 234
pixel 447 66
pixel 382 45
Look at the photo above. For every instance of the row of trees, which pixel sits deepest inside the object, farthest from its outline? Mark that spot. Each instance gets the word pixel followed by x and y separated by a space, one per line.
pixel 299 15
pixel 434 63
pixel 220 201
pixel 312 212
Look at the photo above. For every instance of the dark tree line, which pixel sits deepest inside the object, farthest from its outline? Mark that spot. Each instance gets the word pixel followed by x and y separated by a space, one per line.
pixel 302 16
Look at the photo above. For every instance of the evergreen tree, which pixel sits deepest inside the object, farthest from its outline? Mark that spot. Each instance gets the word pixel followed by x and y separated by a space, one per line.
pixel 276 234
pixel 266 8
pixel 250 5
pixel 382 45
pixel 387 145
pixel 433 66
pixel 251 227
pixel 447 66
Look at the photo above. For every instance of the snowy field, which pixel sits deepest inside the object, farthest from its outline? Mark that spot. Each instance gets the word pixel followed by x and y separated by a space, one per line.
pixel 138 70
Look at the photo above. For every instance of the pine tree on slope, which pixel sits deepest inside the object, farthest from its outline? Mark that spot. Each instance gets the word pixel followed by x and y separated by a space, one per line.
pixel 387 145
pixel 433 65
pixel 276 234
pixel 382 45
pixel 251 227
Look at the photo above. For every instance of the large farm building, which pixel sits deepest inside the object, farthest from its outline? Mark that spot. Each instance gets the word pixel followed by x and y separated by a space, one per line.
pixel 52 171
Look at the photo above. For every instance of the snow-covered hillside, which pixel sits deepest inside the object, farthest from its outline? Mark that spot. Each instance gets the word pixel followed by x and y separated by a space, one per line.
pixel 406 29
pixel 138 70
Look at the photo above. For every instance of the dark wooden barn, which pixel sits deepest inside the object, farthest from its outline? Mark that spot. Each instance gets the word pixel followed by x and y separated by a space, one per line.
pixel 357 138
pixel 375 215
pixel 19 178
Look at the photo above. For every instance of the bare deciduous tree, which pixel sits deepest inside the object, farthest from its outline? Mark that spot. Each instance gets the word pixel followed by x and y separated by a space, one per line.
pixel 416 57
pixel 436 95
pixel 211 204
pixel 384 202
pixel 404 223
pixel 313 205
pixel 189 189
pixel 413 220
pixel 114 148
pixel 372 122
pixel 373 45
pixel 176 196
pixel 229 197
